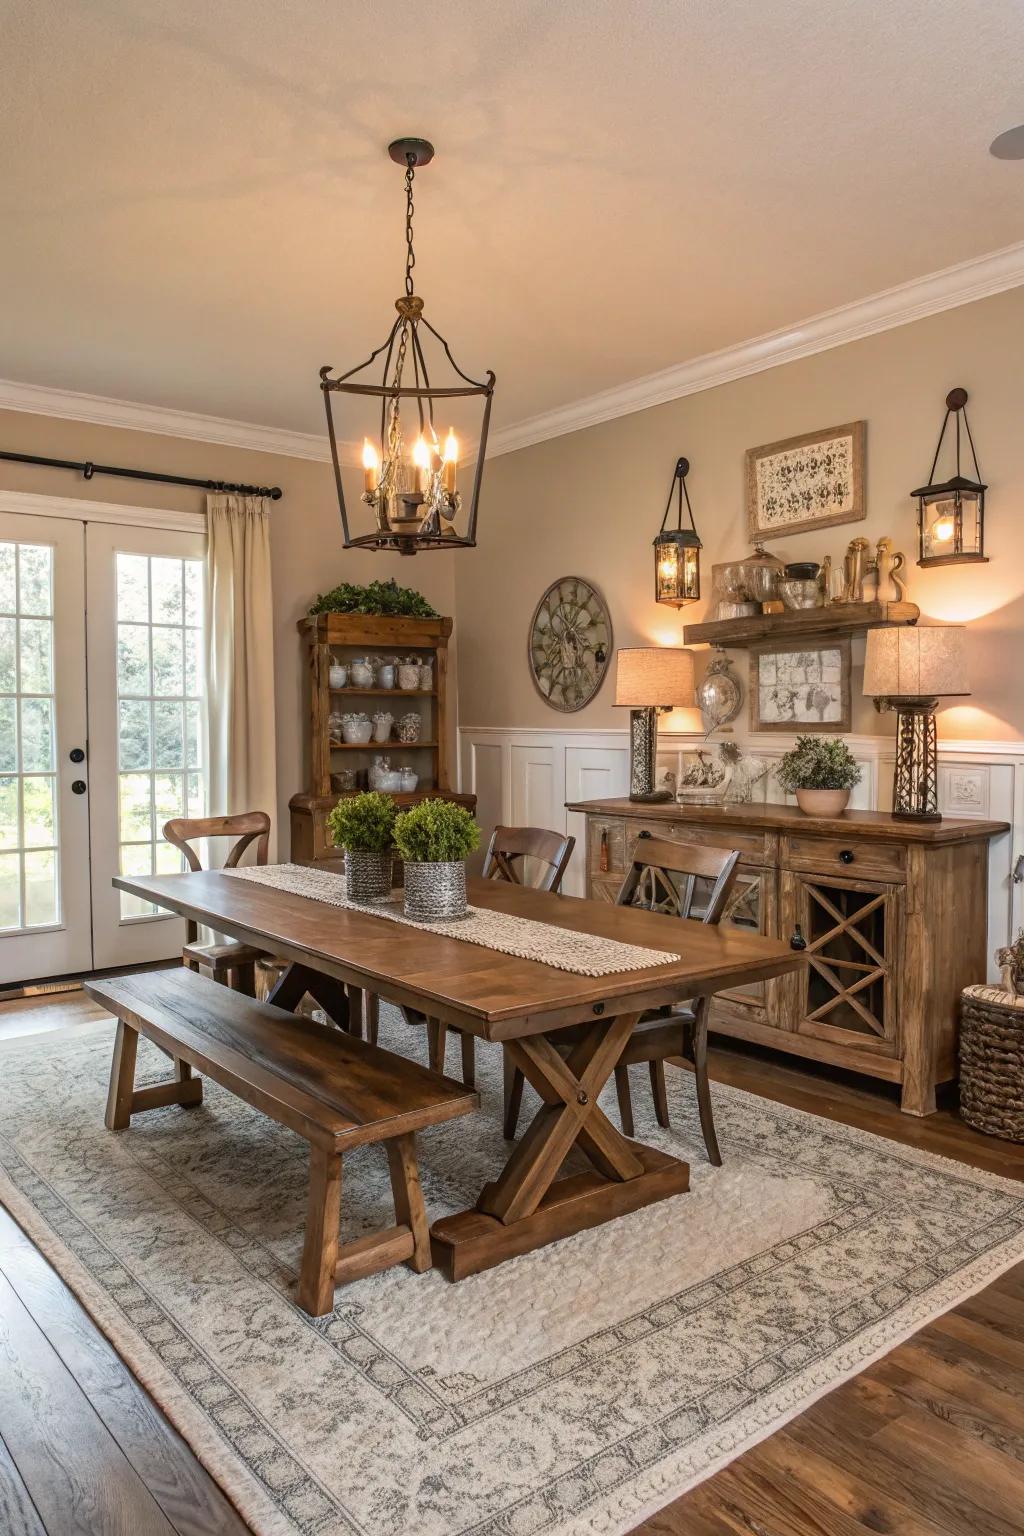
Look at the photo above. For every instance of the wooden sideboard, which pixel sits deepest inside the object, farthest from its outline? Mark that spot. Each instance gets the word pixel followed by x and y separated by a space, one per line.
pixel 894 915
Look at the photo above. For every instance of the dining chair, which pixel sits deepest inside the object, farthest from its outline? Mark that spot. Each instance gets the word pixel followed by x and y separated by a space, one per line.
pixel 680 880
pixel 506 852
pixel 231 962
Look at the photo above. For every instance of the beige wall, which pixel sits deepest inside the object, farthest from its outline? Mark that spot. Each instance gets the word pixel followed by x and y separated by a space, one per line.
pixel 590 503
pixel 306 536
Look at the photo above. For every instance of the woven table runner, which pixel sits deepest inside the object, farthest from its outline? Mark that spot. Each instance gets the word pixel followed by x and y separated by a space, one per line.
pixel 585 954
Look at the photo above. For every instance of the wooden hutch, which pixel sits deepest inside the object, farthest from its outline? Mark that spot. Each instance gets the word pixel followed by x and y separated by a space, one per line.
pixel 342 637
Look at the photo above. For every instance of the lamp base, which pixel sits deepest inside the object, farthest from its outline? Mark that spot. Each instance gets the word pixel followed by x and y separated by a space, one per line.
pixel 915 794
pixel 643 755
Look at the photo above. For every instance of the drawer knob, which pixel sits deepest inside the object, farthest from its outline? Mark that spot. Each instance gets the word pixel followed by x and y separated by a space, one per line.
pixel 798 941
pixel 846 855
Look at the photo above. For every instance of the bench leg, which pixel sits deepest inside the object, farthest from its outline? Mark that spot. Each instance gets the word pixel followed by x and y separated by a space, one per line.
pixel 320 1250
pixel 122 1078
pixel 408 1195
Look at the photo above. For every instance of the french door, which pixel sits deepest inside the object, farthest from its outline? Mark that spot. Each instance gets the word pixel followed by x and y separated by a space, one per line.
pixel 102 736
pixel 45 919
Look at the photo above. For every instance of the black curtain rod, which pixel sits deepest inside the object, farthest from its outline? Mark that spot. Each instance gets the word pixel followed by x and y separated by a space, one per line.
pixel 88 469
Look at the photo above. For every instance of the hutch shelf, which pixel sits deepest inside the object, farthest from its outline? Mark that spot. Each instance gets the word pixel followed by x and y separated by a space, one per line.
pixel 342 637
pixel 893 915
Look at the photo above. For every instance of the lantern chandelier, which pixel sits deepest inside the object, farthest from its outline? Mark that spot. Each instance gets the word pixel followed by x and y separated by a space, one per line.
pixel 411 486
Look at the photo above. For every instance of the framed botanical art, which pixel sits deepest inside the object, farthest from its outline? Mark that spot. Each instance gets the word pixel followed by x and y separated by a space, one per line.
pixel 570 643
pixel 805 483
pixel 800 687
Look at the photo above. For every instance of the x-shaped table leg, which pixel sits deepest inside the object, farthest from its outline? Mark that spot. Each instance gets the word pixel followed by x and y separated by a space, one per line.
pixel 569 1116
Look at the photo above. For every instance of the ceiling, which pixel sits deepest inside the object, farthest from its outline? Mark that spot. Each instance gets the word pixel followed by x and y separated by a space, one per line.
pixel 198 211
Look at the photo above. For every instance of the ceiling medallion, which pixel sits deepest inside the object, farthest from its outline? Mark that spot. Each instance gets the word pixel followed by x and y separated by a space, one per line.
pixel 411 488
pixel 570 643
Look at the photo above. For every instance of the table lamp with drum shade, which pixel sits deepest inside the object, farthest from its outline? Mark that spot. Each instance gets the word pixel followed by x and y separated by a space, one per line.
pixel 649 680
pixel 908 669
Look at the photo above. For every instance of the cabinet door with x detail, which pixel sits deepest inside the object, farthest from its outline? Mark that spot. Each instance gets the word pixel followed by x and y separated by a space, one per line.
pixel 849 993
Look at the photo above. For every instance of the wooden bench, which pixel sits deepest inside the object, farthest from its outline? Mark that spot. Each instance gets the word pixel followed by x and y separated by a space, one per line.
pixel 332 1089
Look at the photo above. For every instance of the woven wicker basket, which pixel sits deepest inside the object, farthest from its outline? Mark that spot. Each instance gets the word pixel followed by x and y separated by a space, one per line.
pixel 992 1062
pixel 435 892
pixel 367 875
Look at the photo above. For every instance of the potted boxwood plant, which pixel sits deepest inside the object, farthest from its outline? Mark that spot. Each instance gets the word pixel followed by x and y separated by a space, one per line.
pixel 434 839
pixel 820 771
pixel 364 825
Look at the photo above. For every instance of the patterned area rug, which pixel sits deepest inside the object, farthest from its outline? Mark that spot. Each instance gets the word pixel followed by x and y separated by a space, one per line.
pixel 574 1390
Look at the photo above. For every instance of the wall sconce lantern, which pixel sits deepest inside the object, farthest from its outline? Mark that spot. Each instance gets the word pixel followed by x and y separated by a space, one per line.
pixel 677 550
pixel 951 513
pixel 411 487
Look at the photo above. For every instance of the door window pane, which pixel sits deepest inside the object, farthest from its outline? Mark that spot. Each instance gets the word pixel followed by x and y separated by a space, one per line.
pixel 35 568
pixel 40 888
pixel 8 579
pixel 37 735
pixel 10 890
pixel 133 734
pixel 133 659
pixel 8 655
pixel 35 648
pixel 160 710
pixel 29 868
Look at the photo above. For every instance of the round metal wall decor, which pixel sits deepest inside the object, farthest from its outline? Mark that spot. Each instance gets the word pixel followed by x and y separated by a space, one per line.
pixel 720 694
pixel 570 643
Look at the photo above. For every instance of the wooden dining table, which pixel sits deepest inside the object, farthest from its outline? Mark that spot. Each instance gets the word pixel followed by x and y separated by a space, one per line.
pixel 336 952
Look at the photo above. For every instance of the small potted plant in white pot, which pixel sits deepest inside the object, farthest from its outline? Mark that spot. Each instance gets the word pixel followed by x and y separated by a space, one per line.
pixel 434 839
pixel 820 771
pixel 364 825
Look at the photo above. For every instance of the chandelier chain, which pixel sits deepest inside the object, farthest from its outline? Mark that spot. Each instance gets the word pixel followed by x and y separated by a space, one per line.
pixel 410 255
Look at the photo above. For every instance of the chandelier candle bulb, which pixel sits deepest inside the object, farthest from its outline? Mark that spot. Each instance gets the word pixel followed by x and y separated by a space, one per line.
pixel 450 462
pixel 421 459
pixel 371 467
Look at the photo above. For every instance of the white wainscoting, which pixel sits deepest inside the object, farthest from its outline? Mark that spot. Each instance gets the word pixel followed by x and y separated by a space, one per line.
pixel 525 777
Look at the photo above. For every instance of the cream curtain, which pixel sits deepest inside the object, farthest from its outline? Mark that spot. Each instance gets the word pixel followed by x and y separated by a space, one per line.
pixel 240 658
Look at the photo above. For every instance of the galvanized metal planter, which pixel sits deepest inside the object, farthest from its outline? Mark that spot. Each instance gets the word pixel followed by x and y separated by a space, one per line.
pixel 367 875
pixel 435 892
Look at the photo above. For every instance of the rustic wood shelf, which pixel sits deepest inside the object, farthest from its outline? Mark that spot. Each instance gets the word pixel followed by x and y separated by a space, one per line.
pixel 386 693
pixel 837 619
pixel 376 746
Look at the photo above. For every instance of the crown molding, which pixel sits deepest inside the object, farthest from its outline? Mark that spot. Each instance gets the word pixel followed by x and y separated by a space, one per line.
pixel 947 289
pixel 101 410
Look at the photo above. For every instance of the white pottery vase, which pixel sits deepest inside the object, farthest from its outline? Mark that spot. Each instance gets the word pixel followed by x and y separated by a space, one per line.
pixel 823 802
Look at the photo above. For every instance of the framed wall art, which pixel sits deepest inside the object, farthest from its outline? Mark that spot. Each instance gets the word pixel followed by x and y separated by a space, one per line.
pixel 805 483
pixel 570 643
pixel 800 687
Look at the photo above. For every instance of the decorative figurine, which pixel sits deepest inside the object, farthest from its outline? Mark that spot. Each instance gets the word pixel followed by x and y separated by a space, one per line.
pixel 853 568
pixel 884 566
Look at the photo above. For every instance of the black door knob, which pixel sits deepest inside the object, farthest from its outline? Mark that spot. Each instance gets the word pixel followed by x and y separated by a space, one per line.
pixel 78 787
pixel 798 941
pixel 77 755
pixel 846 855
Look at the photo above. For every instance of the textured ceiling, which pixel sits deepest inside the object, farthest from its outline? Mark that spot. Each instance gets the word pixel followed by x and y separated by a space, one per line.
pixel 197 210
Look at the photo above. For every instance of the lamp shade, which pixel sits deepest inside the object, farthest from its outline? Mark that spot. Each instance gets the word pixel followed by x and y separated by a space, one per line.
pixel 658 675
pixel 912 662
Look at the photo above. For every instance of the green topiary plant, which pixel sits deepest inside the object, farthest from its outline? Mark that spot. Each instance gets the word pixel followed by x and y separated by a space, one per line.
pixel 380 597
pixel 364 823
pixel 436 832
pixel 818 762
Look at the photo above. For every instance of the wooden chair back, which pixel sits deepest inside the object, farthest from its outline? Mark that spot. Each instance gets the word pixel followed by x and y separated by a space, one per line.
pixel 247 826
pixel 509 846
pixel 664 877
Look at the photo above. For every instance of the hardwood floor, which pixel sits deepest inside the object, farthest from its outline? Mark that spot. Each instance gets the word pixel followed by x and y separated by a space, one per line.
pixel 928 1442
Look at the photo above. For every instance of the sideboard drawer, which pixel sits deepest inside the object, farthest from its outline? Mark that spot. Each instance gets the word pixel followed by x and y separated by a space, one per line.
pixel 750 845
pixel 838 855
